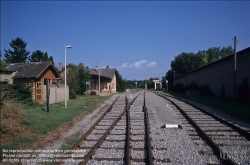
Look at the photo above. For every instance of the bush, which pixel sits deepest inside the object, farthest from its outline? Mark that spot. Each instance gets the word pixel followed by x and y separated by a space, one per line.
pixel 205 90
pixel 18 91
pixel 179 87
pixel 72 94
pixel 192 86
pixel 243 91
pixel 222 90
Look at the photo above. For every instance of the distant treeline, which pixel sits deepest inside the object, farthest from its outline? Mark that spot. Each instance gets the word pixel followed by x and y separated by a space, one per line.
pixel 189 61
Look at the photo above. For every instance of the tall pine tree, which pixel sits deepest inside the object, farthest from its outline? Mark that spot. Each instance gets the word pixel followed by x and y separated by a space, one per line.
pixel 36 56
pixel 19 53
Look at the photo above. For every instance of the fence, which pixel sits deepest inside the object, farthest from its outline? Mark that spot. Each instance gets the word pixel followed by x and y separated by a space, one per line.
pixel 56 93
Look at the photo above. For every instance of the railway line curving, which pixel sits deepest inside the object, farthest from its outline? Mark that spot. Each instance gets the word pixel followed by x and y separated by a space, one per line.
pixel 132 132
pixel 228 142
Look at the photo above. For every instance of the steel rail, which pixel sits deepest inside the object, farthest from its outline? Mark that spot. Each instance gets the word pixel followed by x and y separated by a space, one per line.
pixel 241 131
pixel 100 141
pixel 76 144
pixel 216 149
pixel 149 144
pixel 128 150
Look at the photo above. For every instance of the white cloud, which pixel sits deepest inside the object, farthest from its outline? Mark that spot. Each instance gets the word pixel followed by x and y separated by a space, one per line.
pixel 139 64
pixel 151 64
pixel 124 65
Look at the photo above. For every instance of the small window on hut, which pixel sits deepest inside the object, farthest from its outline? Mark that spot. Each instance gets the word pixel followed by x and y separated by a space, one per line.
pixel 38 85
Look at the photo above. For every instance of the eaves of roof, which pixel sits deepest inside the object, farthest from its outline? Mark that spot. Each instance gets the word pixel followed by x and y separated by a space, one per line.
pixel 30 69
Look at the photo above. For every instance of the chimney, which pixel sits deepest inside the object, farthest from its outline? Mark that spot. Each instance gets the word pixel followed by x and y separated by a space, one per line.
pixel 81 65
pixel 96 67
pixel 60 67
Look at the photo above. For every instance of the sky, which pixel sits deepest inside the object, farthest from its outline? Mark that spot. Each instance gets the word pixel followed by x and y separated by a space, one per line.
pixel 138 38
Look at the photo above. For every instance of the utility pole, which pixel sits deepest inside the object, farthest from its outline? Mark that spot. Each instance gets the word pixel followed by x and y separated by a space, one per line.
pixel 235 67
pixel 146 85
pixel 99 81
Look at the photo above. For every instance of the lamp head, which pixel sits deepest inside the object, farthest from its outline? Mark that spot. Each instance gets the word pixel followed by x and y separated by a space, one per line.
pixel 69 46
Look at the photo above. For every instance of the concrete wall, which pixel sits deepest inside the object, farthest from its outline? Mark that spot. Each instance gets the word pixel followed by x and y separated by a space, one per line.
pixel 56 94
pixel 113 84
pixel 7 77
pixel 221 72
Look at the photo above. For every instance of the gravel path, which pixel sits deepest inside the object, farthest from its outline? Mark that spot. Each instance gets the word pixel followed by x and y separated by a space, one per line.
pixel 175 144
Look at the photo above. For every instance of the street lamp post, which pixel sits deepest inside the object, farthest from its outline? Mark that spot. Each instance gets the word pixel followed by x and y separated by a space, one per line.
pixel 99 71
pixel 65 78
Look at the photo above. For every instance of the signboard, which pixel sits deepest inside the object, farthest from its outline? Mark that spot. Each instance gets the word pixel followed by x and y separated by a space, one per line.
pixel 87 82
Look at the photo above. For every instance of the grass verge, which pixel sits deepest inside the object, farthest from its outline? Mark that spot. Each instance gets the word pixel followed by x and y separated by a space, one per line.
pixel 37 122
pixel 235 109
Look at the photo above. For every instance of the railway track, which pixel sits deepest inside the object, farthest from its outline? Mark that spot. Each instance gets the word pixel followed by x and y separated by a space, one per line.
pixel 219 138
pixel 120 136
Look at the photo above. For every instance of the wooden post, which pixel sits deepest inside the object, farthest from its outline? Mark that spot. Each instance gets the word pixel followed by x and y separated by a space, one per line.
pixel 47 94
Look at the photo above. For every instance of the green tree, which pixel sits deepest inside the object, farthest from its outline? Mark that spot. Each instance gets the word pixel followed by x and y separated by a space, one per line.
pixel 77 77
pixel 46 57
pixel 204 57
pixel 2 63
pixel 163 81
pixel 83 77
pixel 185 62
pixel 51 59
pixel 72 76
pixel 39 56
pixel 226 51
pixel 213 54
pixel 120 83
pixel 19 53
pixel 36 56
pixel 170 77
pixel 150 83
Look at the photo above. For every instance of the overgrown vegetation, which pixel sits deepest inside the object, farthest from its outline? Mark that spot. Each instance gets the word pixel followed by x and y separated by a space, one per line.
pixel 19 91
pixel 236 109
pixel 193 86
pixel 222 90
pixel 77 76
pixel 23 125
pixel 120 82
pixel 243 91
pixel 69 143
pixel 72 94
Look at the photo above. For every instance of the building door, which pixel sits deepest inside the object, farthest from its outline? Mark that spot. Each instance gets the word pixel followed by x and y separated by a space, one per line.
pixel 38 91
